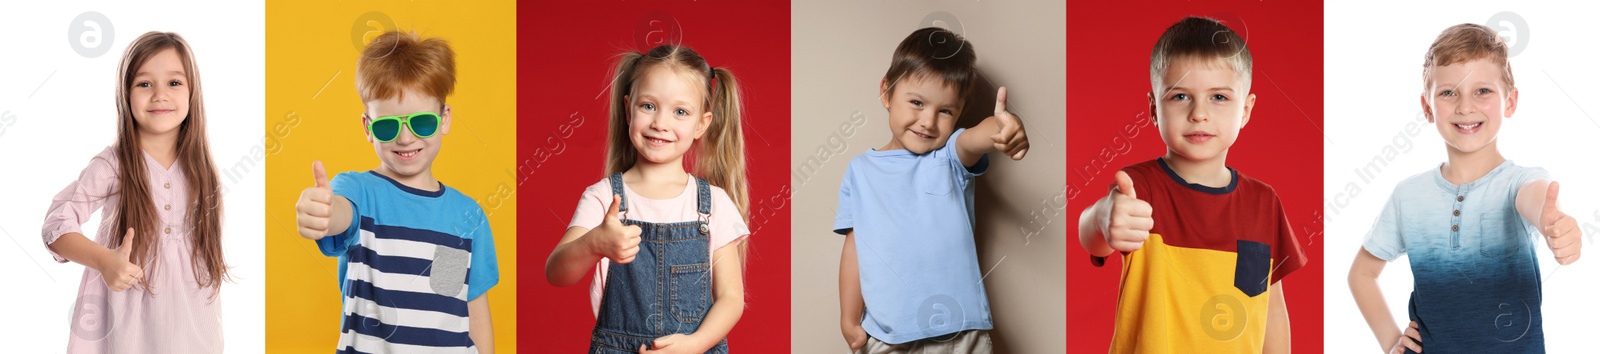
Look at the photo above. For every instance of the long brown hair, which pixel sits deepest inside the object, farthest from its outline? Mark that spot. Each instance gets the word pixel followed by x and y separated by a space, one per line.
pixel 719 154
pixel 135 209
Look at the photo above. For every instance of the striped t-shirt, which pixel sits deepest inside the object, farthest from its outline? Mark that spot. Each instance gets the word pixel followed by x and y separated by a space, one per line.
pixel 408 264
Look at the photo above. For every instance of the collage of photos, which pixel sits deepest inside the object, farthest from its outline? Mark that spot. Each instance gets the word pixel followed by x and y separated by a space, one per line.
pixel 797 176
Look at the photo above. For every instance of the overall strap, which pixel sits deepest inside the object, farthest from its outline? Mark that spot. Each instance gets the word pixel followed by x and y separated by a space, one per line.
pixel 616 189
pixel 705 195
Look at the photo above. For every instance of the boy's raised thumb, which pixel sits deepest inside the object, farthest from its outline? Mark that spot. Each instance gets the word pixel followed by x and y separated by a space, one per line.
pixel 319 174
pixel 1125 184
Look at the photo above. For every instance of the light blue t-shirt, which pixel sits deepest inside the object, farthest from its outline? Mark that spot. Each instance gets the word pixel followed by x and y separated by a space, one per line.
pixel 408 264
pixel 1472 257
pixel 913 218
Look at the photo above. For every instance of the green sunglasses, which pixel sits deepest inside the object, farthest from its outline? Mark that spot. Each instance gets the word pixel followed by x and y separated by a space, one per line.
pixel 387 128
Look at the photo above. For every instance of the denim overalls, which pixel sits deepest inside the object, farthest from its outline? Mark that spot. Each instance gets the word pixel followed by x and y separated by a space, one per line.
pixel 667 287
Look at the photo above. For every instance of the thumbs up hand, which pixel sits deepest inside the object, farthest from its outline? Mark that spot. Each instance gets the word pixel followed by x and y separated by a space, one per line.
pixel 1012 138
pixel 612 239
pixel 118 271
pixel 1129 223
pixel 314 210
pixel 1560 230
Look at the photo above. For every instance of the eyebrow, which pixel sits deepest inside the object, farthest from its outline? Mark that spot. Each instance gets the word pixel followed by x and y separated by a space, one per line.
pixel 1217 88
pixel 147 73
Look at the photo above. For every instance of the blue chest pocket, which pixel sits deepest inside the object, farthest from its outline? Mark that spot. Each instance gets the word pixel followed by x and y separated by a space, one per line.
pixel 1253 265
pixel 1500 234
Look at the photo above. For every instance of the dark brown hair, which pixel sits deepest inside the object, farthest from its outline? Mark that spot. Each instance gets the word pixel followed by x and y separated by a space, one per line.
pixel 938 53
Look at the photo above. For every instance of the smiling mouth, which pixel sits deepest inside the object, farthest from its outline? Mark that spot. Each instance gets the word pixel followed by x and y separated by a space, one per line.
pixel 657 141
pixel 921 135
pixel 160 111
pixel 1468 128
pixel 408 154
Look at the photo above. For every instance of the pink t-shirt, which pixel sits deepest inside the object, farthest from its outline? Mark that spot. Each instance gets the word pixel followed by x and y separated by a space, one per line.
pixel 726 224
pixel 180 316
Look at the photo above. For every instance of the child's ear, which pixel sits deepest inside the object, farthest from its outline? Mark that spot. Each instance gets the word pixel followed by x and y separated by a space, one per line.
pixel 1427 110
pixel 883 92
pixel 444 120
pixel 705 124
pixel 1511 103
pixel 365 127
pixel 1249 105
pixel 1151 97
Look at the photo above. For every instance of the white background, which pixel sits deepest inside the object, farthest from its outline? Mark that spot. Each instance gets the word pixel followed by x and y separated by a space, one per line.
pixel 57 110
pixel 1373 62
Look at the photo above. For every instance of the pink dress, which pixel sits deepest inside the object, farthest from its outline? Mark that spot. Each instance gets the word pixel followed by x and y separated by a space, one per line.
pixel 174 315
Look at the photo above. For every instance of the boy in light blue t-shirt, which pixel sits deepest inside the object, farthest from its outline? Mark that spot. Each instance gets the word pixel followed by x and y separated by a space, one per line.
pixel 1467 224
pixel 909 275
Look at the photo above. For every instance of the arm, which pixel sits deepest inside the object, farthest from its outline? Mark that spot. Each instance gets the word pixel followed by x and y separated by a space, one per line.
pixel 727 286
pixel 1277 340
pixel 1537 203
pixel 1001 132
pixel 1363 280
pixel 113 264
pixel 580 249
pixel 481 329
pixel 851 304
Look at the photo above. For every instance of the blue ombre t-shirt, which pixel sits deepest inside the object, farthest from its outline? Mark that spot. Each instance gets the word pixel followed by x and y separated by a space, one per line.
pixel 408 264
pixel 1473 259
pixel 913 218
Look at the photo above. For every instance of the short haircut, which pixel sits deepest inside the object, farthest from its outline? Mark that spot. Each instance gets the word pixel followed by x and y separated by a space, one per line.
pixel 1467 42
pixel 1199 38
pixel 397 61
pixel 938 53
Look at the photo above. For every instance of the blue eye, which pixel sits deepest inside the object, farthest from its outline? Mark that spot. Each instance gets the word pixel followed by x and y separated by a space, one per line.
pixel 681 112
pixel 648 106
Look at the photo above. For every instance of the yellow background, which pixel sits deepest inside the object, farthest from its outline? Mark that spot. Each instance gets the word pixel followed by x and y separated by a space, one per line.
pixel 314 113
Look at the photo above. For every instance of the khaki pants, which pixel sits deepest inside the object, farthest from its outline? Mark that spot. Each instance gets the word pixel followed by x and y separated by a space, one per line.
pixel 964 342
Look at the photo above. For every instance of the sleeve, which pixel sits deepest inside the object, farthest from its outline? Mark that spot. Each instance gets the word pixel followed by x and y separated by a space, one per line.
pixel 592 207
pixel 963 173
pixel 78 201
pixel 1288 254
pixel 347 185
pixel 485 270
pixel 1384 239
pixel 844 217
pixel 727 225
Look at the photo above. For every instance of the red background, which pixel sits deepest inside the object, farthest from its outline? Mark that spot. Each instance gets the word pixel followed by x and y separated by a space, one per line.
pixel 566 51
pixel 1108 60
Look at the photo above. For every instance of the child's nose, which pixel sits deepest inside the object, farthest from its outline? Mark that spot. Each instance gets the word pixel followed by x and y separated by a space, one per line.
pixel 405 137
pixel 1199 114
pixel 1464 107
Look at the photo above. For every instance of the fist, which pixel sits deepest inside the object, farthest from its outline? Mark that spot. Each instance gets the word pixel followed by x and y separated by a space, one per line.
pixel 1129 223
pixel 854 336
pixel 314 209
pixel 118 272
pixel 614 240
pixel 1560 230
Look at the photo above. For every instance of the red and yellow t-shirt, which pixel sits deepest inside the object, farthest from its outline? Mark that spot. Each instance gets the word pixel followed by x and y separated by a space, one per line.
pixel 1200 283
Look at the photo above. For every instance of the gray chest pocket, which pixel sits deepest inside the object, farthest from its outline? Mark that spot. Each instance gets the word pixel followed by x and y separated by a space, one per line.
pixel 449 272
pixel 1500 234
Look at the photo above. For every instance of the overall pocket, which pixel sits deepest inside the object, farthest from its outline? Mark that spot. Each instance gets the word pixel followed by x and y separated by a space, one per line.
pixel 690 291
pixel 935 178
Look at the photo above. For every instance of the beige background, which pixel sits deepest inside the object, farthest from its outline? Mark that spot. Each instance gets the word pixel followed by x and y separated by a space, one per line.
pixel 841 50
